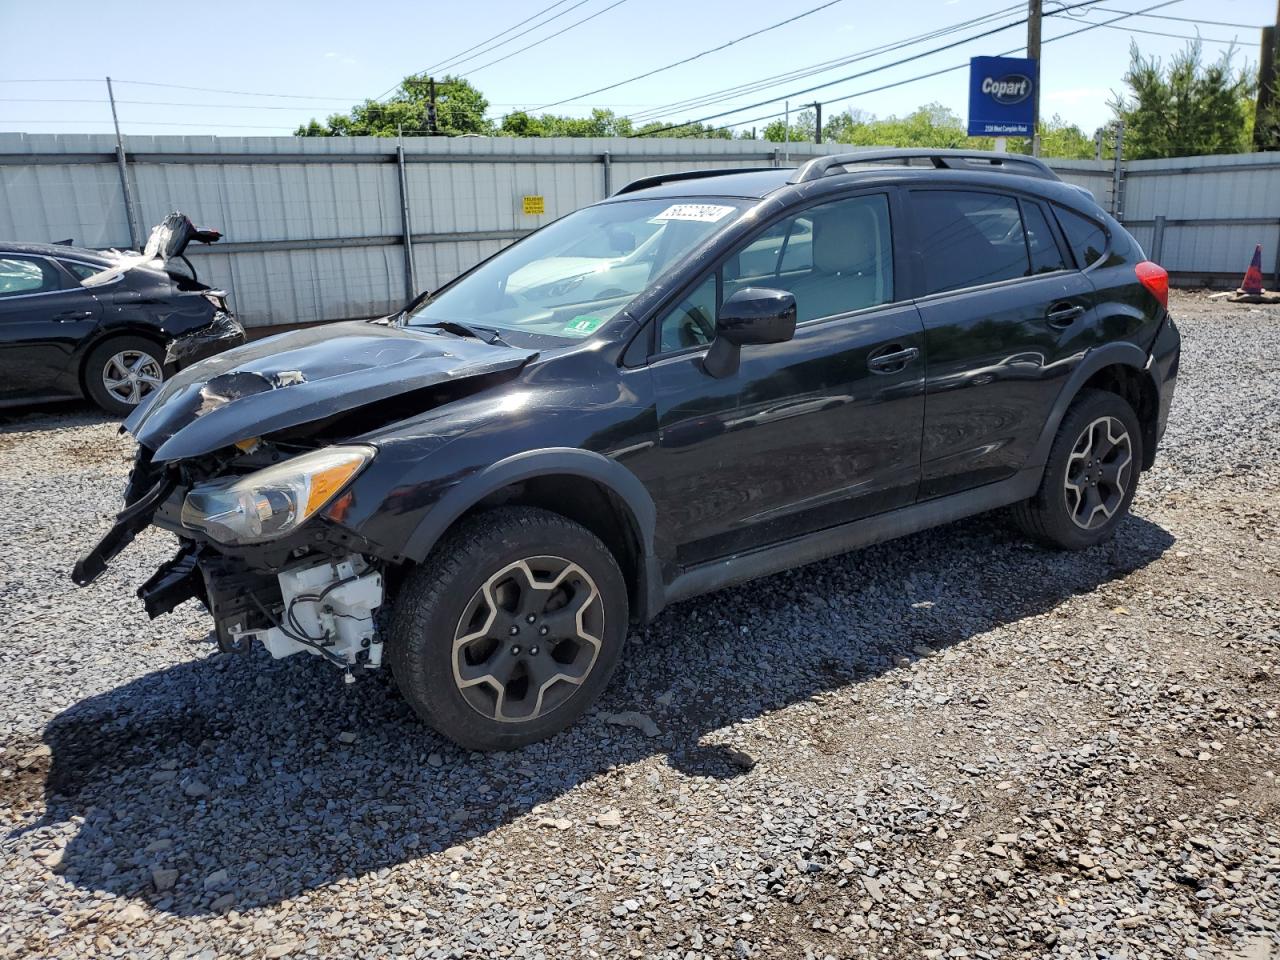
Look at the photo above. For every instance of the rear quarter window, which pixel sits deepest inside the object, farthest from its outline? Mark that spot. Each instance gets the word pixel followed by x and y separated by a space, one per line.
pixel 1087 238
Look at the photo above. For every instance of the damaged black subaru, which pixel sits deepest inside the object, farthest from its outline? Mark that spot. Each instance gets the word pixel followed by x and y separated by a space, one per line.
pixel 706 378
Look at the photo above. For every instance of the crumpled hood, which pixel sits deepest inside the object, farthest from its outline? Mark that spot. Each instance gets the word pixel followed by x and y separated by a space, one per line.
pixel 295 378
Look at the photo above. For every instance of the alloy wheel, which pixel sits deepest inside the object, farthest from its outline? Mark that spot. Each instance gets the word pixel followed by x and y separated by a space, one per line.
pixel 528 638
pixel 1098 473
pixel 132 375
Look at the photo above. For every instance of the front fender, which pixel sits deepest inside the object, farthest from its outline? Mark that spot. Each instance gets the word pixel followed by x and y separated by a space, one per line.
pixel 561 461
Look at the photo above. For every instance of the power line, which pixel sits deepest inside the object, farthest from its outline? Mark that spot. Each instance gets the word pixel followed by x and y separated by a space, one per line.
pixel 729 93
pixel 436 66
pixel 488 45
pixel 452 62
pixel 238 93
pixel 1210 23
pixel 163 123
pixel 696 56
pixel 1175 36
pixel 550 36
pixel 944 70
pixel 853 76
pixel 155 103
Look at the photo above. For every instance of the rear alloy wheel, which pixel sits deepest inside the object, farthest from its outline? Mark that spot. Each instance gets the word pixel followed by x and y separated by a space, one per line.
pixel 123 372
pixel 510 629
pixel 1090 476
pixel 1099 472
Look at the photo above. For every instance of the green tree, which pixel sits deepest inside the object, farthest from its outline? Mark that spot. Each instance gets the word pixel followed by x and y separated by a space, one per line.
pixel 703 130
pixel 802 128
pixel 460 109
pixel 601 123
pixel 1190 109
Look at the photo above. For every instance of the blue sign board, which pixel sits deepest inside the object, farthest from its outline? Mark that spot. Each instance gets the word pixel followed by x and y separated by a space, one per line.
pixel 1002 96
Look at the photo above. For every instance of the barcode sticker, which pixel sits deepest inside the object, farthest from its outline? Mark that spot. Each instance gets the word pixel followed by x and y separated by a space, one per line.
pixel 702 212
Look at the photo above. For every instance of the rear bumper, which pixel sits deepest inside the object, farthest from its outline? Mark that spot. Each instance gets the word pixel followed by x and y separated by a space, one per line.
pixel 222 333
pixel 1163 366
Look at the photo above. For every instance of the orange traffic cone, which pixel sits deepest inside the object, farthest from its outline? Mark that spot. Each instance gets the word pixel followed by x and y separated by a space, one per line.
pixel 1252 284
pixel 1250 290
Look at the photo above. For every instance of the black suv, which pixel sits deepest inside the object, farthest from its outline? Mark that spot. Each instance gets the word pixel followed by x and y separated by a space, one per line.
pixel 709 377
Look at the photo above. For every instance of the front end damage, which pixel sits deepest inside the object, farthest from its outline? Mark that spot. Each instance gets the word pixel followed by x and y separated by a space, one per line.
pixel 313 592
pixel 252 459
pixel 323 605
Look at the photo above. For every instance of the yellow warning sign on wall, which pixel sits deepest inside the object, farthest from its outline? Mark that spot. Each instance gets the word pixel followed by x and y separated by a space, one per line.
pixel 535 206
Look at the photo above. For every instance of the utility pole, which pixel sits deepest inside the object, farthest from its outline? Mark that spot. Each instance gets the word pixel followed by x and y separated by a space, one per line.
pixel 134 239
pixel 1034 13
pixel 432 124
pixel 817 134
pixel 786 130
pixel 1266 118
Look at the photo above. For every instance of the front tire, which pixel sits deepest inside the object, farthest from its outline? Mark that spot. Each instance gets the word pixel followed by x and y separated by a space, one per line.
pixel 1090 476
pixel 122 372
pixel 510 629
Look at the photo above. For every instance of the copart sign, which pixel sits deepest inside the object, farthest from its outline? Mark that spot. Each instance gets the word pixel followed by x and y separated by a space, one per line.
pixel 1001 96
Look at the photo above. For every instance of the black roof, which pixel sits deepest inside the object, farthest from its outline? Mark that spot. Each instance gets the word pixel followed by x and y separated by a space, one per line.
pixel 749 184
pixel 758 184
pixel 54 250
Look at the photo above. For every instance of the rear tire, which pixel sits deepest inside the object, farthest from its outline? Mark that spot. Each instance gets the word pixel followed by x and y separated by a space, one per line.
pixel 510 629
pixel 1090 476
pixel 122 372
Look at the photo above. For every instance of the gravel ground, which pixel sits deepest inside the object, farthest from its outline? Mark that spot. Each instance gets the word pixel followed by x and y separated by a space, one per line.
pixel 952 745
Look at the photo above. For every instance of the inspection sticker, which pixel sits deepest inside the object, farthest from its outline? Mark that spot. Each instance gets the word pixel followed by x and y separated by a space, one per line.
pixel 581 326
pixel 702 212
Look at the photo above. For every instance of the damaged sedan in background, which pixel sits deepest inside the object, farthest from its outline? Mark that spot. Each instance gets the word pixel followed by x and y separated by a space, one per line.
pixel 706 378
pixel 109 325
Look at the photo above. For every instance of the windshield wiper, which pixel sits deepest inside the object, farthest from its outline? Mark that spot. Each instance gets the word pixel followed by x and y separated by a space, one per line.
pixel 465 330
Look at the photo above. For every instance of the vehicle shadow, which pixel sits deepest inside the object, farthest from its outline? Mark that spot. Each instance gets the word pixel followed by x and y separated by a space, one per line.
pixel 239 764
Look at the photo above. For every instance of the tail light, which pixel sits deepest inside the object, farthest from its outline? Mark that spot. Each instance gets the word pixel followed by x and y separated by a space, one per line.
pixel 1156 279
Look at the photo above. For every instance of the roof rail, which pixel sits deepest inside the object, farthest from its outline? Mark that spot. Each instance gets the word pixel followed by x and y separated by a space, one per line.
pixel 645 183
pixel 979 160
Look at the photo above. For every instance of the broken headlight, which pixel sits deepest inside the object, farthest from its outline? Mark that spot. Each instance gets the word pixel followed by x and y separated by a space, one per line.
pixel 275 501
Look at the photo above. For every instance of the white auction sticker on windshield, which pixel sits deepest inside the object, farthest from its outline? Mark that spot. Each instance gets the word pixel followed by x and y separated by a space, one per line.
pixel 701 212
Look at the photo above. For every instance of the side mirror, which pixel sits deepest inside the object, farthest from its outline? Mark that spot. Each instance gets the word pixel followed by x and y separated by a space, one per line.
pixel 753 315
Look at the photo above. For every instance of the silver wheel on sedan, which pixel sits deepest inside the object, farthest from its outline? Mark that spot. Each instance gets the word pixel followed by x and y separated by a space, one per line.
pixel 130 376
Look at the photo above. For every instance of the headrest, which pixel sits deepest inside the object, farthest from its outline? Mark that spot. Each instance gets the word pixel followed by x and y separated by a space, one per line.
pixel 844 239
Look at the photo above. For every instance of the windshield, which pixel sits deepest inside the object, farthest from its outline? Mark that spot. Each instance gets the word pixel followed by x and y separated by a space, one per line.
pixel 573 276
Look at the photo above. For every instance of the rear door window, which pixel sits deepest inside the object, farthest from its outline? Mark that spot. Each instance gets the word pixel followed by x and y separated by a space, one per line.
pixel 83 271
pixel 1087 239
pixel 1042 244
pixel 969 238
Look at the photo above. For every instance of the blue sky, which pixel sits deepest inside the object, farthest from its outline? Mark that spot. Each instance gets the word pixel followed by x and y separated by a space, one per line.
pixel 338 53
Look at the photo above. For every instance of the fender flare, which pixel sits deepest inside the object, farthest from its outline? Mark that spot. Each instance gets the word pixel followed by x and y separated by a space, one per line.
pixel 1111 354
pixel 610 474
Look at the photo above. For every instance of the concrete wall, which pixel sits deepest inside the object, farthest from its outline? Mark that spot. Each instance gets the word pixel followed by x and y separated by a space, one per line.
pixel 313 226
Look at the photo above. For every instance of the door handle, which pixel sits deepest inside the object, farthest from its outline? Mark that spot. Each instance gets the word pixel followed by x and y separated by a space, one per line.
pixel 895 359
pixel 1062 315
pixel 72 315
